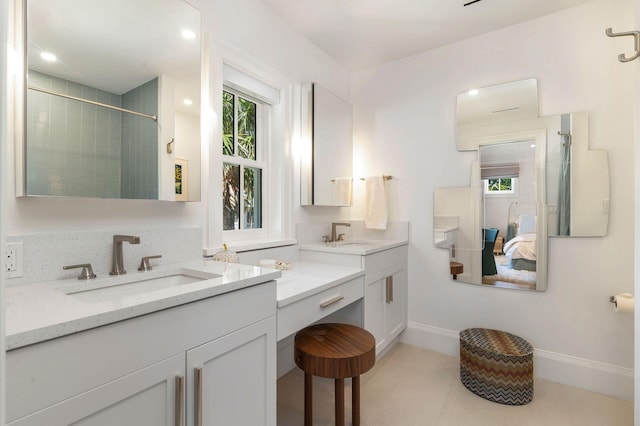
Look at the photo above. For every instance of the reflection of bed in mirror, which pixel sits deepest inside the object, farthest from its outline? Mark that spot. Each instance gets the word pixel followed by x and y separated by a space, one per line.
pixel 516 268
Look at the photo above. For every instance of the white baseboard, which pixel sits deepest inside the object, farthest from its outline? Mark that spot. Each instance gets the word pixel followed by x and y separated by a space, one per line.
pixel 582 373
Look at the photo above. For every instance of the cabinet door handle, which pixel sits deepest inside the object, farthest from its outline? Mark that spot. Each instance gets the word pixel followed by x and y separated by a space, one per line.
pixel 198 398
pixel 331 301
pixel 179 400
pixel 389 285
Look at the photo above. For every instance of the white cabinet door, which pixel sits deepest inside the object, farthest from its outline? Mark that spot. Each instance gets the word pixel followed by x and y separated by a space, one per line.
pixel 148 397
pixel 395 305
pixel 385 306
pixel 374 301
pixel 232 380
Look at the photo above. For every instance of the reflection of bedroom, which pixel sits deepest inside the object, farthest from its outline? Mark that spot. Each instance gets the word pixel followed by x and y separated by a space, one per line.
pixel 509 256
pixel 515 260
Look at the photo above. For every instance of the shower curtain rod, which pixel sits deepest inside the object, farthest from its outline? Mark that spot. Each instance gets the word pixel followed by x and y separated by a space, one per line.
pixel 38 89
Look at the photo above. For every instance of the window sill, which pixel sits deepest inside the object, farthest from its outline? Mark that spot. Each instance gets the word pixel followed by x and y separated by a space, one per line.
pixel 242 246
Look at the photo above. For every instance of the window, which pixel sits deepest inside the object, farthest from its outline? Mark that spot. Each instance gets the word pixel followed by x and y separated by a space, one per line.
pixel 500 186
pixel 243 162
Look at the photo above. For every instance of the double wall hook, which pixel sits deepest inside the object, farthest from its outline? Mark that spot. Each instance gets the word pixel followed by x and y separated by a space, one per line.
pixel 636 37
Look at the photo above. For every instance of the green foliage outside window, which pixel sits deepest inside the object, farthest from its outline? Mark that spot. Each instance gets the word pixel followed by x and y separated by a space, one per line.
pixel 239 115
pixel 500 184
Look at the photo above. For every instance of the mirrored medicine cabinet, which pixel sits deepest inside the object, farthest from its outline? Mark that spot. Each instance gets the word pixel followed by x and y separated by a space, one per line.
pixel 111 100
pixel 535 177
pixel 326 164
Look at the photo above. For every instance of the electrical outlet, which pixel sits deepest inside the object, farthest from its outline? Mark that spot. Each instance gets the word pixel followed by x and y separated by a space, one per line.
pixel 13 261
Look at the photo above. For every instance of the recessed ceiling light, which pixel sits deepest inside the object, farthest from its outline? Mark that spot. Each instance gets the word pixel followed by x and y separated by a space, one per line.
pixel 533 145
pixel 188 34
pixel 187 102
pixel 49 57
pixel 473 92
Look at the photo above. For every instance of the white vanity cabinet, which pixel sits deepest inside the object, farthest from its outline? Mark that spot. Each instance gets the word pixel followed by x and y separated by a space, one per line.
pixel 385 290
pixel 144 371
pixel 151 396
pixel 233 378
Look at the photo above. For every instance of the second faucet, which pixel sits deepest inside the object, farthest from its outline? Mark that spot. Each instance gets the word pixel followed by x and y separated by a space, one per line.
pixel 333 230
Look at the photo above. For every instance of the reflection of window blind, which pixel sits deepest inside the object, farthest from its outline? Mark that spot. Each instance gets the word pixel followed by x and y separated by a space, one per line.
pixel 493 171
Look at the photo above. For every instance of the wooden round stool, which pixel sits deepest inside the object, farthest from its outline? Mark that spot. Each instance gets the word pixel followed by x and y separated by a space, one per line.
pixel 456 268
pixel 334 351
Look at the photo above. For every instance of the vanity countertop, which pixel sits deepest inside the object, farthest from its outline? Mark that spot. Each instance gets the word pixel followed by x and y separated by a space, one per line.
pixel 360 247
pixel 305 279
pixel 43 311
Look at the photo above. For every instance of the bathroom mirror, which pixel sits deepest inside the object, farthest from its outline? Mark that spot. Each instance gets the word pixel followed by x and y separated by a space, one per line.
pixel 577 180
pixel 547 181
pixel 112 100
pixel 326 164
pixel 494 230
pixel 480 108
pixel 577 177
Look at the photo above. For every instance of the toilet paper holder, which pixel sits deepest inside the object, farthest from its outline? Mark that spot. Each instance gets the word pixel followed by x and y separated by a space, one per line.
pixel 612 299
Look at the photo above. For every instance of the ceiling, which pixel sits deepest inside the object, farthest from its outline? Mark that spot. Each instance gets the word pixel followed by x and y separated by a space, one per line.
pixel 363 33
pixel 119 51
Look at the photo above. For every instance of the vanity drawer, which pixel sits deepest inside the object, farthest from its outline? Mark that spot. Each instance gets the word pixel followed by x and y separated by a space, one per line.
pixel 302 313
pixel 382 260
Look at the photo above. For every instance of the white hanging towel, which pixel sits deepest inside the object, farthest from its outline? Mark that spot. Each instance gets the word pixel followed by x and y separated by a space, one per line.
pixel 342 194
pixel 376 212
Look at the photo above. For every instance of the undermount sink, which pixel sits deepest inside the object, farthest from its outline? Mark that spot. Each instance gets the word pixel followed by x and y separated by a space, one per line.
pixel 123 286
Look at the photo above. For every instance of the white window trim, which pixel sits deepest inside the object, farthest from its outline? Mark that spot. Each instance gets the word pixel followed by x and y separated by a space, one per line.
pixel 261 162
pixel 512 193
pixel 281 122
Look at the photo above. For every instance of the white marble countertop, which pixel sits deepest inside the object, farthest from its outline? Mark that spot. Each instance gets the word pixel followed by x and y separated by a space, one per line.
pixel 305 279
pixel 42 311
pixel 360 247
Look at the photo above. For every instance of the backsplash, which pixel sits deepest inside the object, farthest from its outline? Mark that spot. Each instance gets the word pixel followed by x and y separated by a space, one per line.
pixel 44 255
pixel 313 232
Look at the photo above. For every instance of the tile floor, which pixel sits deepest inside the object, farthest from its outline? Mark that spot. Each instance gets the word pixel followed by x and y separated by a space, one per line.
pixel 411 386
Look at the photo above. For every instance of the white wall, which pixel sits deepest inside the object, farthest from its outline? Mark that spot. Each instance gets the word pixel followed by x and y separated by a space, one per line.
pixel 636 70
pixel 4 135
pixel 404 126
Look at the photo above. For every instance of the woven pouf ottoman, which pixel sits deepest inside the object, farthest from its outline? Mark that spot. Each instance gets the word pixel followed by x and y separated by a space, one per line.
pixel 496 365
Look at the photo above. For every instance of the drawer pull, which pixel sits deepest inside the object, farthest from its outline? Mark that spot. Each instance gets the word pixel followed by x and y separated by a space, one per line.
pixel 198 398
pixel 179 398
pixel 389 284
pixel 331 301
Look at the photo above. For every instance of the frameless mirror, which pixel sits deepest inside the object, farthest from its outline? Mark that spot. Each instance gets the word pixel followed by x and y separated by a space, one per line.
pixel 327 161
pixel 577 180
pixel 480 110
pixel 112 100
pixel 536 177
pixel 492 229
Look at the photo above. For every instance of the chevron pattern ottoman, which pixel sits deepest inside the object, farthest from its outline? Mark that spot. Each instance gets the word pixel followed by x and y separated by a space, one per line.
pixel 496 365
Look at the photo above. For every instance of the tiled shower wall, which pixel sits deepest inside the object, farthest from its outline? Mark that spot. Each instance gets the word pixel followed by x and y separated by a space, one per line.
pixel 139 177
pixel 81 150
pixel 74 148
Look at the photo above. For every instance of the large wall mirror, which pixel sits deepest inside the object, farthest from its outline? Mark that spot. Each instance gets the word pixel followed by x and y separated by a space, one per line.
pixel 535 177
pixel 327 169
pixel 112 100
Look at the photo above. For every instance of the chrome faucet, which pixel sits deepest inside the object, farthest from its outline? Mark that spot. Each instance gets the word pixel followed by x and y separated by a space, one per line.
pixel 334 238
pixel 117 265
